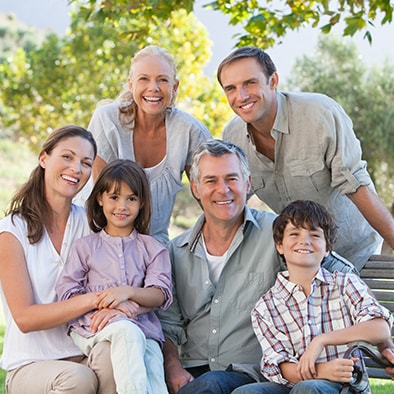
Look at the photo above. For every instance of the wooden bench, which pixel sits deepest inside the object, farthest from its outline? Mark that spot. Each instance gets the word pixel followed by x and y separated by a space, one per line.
pixel 378 274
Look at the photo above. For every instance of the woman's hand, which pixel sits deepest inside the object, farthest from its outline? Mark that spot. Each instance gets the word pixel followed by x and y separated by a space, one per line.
pixel 102 317
pixel 129 308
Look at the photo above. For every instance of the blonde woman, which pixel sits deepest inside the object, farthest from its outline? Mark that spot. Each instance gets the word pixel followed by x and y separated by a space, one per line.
pixel 144 125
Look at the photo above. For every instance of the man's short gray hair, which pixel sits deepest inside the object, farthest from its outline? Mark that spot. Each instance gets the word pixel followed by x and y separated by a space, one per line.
pixel 218 148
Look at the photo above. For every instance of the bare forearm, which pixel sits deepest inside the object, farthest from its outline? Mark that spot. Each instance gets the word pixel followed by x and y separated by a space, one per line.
pixel 375 212
pixel 372 331
pixel 149 297
pixel 45 316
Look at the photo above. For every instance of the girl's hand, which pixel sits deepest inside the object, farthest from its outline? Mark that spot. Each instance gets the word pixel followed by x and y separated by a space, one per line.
pixel 102 317
pixel 129 308
pixel 112 297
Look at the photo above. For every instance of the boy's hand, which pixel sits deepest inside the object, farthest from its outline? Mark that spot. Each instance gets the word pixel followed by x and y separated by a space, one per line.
pixel 338 370
pixel 112 297
pixel 306 366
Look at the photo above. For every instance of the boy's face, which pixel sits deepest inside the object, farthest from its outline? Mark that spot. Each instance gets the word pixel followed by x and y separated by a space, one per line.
pixel 303 247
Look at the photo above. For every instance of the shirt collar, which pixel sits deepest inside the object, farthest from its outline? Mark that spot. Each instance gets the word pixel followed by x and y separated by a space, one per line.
pixel 285 288
pixel 196 231
pixel 108 238
pixel 282 117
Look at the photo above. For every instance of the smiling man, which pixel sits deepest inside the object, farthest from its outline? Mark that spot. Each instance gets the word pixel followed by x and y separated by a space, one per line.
pixel 220 267
pixel 302 146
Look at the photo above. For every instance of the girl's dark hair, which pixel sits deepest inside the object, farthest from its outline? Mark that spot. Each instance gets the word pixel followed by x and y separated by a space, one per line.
pixel 110 179
pixel 29 201
pixel 305 214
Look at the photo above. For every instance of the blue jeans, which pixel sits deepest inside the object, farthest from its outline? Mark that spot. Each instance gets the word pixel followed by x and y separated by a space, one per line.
pixel 305 387
pixel 216 382
pixel 262 388
pixel 317 387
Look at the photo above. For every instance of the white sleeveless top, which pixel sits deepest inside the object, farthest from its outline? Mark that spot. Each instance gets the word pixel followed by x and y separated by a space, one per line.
pixel 44 265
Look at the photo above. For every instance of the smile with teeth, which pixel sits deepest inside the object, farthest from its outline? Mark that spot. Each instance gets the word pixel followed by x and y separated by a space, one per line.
pixel 224 202
pixel 152 99
pixel 303 251
pixel 246 106
pixel 70 179
pixel 120 215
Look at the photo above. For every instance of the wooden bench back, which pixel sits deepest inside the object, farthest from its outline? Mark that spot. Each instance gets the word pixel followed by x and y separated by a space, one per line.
pixel 378 274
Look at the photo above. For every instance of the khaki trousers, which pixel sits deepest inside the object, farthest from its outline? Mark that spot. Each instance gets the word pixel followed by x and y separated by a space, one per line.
pixel 93 375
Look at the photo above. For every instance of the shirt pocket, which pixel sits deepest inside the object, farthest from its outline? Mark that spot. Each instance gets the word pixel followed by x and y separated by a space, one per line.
pixel 310 175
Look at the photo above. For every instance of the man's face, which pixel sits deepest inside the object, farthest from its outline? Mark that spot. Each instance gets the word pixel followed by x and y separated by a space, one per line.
pixel 221 188
pixel 251 95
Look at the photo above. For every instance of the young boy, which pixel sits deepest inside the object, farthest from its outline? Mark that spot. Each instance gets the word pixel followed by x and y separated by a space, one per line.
pixel 305 320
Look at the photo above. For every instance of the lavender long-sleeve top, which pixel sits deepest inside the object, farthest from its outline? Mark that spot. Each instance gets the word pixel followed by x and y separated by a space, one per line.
pixel 100 261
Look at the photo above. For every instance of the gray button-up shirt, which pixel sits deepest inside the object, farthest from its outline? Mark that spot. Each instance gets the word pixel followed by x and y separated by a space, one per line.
pixel 317 157
pixel 212 325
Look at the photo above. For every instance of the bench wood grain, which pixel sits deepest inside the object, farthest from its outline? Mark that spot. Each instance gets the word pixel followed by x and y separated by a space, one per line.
pixel 378 274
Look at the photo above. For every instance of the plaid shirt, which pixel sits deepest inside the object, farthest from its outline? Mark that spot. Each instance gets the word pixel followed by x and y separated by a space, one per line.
pixel 285 321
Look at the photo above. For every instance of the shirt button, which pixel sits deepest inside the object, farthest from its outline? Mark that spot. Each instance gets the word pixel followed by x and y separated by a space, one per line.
pixel 216 301
pixel 120 255
pixel 214 331
pixel 213 360
pixel 207 282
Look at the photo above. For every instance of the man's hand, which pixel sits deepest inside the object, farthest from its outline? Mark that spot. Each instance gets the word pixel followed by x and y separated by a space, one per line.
pixel 387 350
pixel 176 377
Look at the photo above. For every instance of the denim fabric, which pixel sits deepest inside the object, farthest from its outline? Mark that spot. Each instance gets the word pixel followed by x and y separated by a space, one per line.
pixel 262 388
pixel 317 387
pixel 305 387
pixel 216 382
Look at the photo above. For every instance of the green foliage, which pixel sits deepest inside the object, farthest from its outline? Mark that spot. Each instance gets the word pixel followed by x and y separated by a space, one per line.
pixel 337 70
pixel 61 81
pixel 15 35
pixel 16 163
pixel 264 23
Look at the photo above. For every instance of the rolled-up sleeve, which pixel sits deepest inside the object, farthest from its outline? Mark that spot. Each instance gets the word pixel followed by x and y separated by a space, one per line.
pixel 344 154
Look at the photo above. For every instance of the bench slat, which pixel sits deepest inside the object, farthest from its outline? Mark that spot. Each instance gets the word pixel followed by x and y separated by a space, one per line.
pixel 378 274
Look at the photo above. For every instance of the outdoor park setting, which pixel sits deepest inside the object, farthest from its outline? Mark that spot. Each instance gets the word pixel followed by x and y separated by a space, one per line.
pixel 50 79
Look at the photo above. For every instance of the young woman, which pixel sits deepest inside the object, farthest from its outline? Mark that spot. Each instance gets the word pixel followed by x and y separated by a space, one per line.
pixel 122 262
pixel 35 240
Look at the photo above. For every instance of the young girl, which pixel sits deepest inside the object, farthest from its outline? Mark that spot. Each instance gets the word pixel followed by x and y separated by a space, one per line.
pixel 121 262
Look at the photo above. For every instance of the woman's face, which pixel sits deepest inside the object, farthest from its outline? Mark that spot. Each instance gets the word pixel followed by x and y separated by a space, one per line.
pixel 152 84
pixel 67 167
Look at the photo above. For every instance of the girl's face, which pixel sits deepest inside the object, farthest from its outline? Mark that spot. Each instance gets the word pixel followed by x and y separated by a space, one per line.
pixel 120 209
pixel 152 84
pixel 67 167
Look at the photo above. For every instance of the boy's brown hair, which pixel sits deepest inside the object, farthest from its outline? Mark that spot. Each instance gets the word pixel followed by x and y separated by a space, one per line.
pixel 305 214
